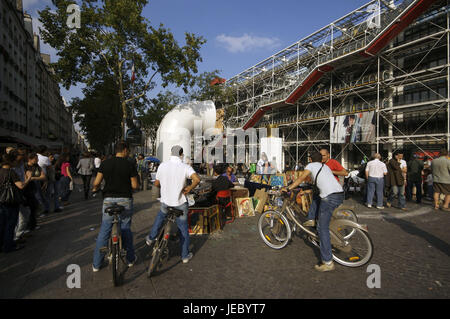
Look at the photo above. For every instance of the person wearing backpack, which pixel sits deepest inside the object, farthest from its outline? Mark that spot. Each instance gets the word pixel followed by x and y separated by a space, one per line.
pixel 10 200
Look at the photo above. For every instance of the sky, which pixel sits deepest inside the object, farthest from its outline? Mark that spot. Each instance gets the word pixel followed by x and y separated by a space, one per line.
pixel 239 34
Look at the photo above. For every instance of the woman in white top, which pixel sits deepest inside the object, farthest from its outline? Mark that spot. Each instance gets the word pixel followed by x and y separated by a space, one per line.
pixel 85 167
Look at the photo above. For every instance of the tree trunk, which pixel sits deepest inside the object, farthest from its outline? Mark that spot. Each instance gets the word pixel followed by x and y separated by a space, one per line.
pixel 122 100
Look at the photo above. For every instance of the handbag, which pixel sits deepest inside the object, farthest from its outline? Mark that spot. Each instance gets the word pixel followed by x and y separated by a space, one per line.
pixel 10 194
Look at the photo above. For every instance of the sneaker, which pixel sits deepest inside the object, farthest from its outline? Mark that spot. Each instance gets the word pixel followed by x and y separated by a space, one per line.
pixel 369 205
pixel 104 264
pixel 148 241
pixel 404 209
pixel 380 207
pixel 131 264
pixel 309 223
pixel 324 267
pixel 189 257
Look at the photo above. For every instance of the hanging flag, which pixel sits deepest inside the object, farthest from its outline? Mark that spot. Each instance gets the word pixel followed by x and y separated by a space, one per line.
pixel 133 75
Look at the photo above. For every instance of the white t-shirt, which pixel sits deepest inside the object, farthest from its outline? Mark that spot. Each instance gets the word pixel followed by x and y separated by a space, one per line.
pixel 173 175
pixel 376 168
pixel 403 164
pixel 97 162
pixel 43 162
pixel 326 182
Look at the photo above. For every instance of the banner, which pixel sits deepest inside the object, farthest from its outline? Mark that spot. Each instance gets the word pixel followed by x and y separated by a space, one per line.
pixel 354 128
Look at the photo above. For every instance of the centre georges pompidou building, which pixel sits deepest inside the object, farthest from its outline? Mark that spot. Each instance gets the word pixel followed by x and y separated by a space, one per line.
pixel 375 80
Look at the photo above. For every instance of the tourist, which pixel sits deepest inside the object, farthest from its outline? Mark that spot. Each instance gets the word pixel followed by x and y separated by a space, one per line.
pixel 375 172
pixel 440 168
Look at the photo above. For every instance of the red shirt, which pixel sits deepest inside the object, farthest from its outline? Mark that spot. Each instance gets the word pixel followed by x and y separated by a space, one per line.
pixel 334 166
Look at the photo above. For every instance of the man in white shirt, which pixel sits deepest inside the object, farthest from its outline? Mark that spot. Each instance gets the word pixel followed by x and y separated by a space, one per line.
pixel 330 197
pixel 375 172
pixel 171 177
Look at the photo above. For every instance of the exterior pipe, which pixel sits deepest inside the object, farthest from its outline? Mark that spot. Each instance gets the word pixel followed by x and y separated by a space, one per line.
pixel 177 127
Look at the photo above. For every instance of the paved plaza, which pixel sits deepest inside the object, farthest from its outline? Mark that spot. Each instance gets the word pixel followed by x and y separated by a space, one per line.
pixel 411 248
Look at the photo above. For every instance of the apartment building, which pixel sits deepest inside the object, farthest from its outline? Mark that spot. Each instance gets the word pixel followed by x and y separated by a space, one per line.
pixel 32 111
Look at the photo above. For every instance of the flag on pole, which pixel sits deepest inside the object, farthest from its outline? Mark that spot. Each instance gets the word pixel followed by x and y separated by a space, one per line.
pixel 133 75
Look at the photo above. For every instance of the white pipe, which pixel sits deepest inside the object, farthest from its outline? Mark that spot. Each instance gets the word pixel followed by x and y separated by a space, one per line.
pixel 177 127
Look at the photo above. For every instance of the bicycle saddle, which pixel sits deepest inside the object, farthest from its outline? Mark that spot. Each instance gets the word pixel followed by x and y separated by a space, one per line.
pixel 174 211
pixel 114 209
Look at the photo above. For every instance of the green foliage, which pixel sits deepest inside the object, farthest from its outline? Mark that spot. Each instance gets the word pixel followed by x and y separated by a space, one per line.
pixel 99 113
pixel 113 34
pixel 203 90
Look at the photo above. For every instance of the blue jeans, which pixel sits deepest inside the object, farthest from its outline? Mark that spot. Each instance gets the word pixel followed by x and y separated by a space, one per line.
pixel 41 196
pixel 325 207
pixel 106 227
pixel 9 216
pixel 400 192
pixel 182 224
pixel 375 184
pixel 53 193
pixel 64 188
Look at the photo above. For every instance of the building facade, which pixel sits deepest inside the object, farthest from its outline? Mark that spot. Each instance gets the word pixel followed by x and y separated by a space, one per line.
pixel 32 111
pixel 376 80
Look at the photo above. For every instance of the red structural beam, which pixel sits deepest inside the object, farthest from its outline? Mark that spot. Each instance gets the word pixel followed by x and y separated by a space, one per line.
pixel 383 39
pixel 308 83
pixel 256 117
pixel 405 20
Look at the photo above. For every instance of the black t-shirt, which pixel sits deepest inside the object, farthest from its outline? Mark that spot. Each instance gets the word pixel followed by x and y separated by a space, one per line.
pixel 35 172
pixel 8 174
pixel 117 172
pixel 221 183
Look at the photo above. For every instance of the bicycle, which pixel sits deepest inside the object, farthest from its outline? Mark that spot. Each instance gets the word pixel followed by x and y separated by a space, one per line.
pixel 350 241
pixel 304 202
pixel 115 249
pixel 160 252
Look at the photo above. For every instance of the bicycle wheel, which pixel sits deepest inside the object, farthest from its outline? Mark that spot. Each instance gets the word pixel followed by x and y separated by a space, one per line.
pixel 115 264
pixel 344 212
pixel 355 250
pixel 274 229
pixel 158 253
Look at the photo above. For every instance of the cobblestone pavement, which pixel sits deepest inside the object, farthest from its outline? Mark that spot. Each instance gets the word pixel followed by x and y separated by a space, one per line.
pixel 412 249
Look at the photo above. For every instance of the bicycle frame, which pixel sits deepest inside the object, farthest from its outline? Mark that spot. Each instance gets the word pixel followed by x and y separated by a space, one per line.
pixel 116 234
pixel 336 239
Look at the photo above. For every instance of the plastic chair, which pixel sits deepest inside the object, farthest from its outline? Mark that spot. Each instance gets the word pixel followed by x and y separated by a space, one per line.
pixel 226 194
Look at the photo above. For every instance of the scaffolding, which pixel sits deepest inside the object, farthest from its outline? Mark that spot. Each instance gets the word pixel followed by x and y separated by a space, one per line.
pixel 390 58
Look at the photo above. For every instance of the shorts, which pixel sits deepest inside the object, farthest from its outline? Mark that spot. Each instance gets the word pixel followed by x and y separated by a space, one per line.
pixel 441 188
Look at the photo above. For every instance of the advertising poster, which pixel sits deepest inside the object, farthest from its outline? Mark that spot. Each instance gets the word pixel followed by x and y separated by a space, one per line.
pixel 353 128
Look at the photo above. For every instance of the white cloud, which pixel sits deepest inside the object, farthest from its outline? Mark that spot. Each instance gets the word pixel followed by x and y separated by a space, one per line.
pixel 246 42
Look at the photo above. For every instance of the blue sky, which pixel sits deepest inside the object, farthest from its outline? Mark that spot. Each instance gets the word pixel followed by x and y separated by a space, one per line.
pixel 239 34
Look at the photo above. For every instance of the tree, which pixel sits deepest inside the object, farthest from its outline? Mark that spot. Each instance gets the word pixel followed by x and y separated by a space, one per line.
pixel 113 36
pixel 99 113
pixel 222 95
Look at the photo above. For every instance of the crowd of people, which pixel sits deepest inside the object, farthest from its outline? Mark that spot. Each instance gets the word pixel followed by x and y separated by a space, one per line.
pixel 396 178
pixel 35 182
